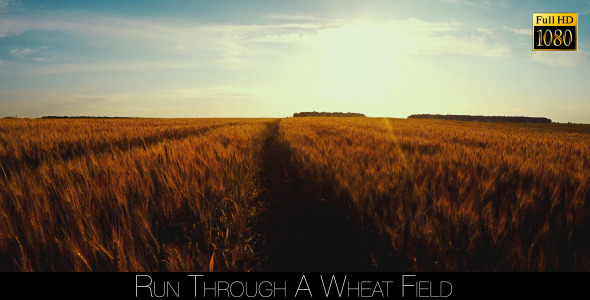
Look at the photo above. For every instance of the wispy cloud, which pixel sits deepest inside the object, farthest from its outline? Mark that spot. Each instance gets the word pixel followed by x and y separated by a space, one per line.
pixel 50 69
pixel 486 5
pixel 288 17
pixel 96 25
pixel 23 53
pixel 415 36
pixel 559 58
pixel 5 5
pixel 519 31
pixel 223 43
pixel 425 27
pixel 195 102
pixel 182 45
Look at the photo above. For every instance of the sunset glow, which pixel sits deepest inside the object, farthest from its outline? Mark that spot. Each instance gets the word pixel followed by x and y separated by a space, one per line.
pixel 232 59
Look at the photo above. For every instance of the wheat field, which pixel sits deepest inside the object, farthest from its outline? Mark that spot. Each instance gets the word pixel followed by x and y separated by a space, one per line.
pixel 127 195
pixel 308 193
pixel 456 195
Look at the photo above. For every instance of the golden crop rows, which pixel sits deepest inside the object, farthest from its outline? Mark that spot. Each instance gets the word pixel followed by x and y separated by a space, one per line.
pixel 456 195
pixel 189 194
pixel 180 203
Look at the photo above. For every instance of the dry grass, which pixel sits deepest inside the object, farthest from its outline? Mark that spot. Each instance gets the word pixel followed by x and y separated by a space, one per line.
pixel 455 195
pixel 28 143
pixel 183 195
pixel 178 202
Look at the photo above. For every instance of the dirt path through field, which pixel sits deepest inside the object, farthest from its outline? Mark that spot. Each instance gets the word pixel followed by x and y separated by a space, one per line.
pixel 300 231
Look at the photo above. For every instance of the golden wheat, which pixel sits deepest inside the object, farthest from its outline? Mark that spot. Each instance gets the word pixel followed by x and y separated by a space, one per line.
pixel 169 205
pixel 182 194
pixel 457 195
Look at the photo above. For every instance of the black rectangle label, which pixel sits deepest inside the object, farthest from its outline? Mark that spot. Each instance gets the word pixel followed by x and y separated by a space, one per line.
pixel 555 31
pixel 554 38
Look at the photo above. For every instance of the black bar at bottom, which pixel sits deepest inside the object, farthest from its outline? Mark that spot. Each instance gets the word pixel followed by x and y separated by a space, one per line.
pixel 384 285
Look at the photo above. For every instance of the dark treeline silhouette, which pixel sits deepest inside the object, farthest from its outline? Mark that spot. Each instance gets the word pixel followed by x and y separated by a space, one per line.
pixel 82 117
pixel 327 114
pixel 483 118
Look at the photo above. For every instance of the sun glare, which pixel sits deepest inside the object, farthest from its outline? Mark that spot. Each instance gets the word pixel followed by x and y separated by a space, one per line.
pixel 355 61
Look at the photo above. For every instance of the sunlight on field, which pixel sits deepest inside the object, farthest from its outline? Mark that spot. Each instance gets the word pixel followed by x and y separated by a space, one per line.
pixel 457 195
pixel 127 195
pixel 224 194
pixel 395 141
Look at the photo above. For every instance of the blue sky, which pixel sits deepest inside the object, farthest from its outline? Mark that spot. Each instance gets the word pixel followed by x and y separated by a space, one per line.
pixel 273 58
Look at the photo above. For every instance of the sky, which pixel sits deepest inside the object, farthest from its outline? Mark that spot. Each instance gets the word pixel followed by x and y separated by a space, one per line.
pixel 272 58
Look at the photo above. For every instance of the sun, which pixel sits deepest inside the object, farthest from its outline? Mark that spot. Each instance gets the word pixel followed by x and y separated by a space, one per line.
pixel 356 60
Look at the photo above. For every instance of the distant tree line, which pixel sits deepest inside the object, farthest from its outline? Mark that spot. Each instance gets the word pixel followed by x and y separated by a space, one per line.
pixel 482 118
pixel 327 114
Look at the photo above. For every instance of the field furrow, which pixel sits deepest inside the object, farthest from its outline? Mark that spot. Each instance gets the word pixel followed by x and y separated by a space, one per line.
pixel 456 195
pixel 293 194
pixel 303 226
